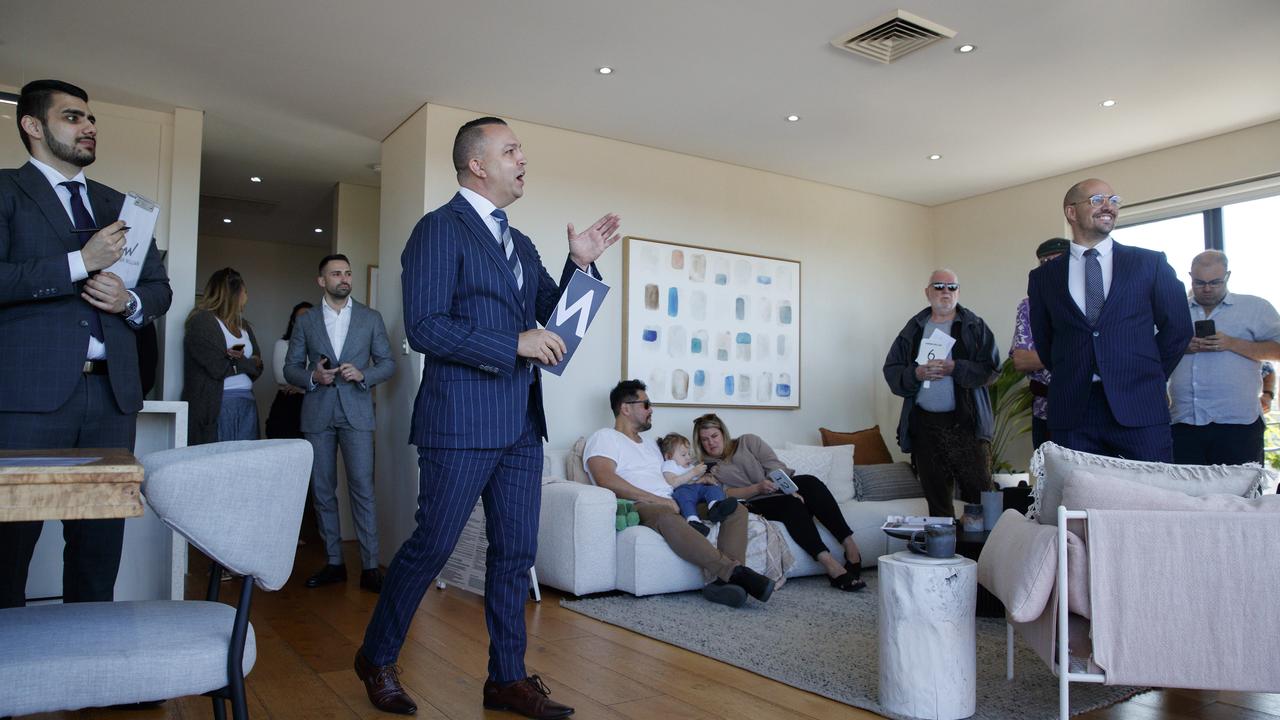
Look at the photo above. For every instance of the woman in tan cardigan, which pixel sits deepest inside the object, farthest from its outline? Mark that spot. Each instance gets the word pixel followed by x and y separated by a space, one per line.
pixel 743 465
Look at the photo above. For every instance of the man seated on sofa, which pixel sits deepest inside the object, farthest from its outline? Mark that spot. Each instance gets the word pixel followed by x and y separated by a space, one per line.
pixel 621 461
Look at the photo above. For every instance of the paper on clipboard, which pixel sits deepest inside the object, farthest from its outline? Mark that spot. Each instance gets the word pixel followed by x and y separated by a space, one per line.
pixel 139 215
pixel 935 347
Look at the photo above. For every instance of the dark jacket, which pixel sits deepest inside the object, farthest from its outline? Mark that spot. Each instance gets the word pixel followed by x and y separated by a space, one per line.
pixel 977 364
pixel 205 365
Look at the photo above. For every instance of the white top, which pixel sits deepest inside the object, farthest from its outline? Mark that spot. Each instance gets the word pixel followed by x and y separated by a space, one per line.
pixel 238 381
pixel 675 468
pixel 639 463
pixel 278 355
pixel 336 324
pixel 1075 270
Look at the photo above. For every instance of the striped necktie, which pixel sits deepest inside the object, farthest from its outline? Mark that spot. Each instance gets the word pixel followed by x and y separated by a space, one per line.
pixel 1093 295
pixel 513 260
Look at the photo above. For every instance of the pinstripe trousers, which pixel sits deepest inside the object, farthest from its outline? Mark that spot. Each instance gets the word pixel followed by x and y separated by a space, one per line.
pixel 509 480
pixel 1099 433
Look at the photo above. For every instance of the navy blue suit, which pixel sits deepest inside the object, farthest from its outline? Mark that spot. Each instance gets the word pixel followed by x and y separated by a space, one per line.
pixel 478 423
pixel 47 401
pixel 1139 338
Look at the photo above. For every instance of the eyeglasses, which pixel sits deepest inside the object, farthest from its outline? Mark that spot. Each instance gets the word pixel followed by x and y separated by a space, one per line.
pixel 945 286
pixel 646 403
pixel 1215 284
pixel 1097 200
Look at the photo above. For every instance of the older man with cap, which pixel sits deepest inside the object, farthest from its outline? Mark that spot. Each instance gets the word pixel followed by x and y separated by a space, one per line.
pixel 1023 351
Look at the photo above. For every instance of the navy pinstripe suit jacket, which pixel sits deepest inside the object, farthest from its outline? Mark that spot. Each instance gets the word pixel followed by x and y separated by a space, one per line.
pixel 463 311
pixel 1140 336
pixel 43 320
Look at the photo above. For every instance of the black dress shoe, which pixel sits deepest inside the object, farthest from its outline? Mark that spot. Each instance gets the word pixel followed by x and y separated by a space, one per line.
pixel 328 575
pixel 757 586
pixel 382 684
pixel 722 593
pixel 371 580
pixel 529 697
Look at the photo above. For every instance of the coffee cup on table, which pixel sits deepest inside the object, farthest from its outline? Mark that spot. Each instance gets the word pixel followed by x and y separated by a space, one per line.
pixel 936 540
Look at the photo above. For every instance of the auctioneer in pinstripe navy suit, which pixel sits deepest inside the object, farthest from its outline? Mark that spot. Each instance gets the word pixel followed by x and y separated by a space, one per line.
pixel 475 291
pixel 1108 394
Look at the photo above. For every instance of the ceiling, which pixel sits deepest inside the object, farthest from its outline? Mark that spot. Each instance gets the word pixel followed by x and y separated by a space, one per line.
pixel 301 92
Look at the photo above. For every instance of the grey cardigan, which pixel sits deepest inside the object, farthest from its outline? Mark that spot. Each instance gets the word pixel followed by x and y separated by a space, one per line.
pixel 204 366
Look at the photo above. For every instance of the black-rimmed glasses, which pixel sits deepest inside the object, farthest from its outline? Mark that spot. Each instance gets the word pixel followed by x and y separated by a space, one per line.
pixel 1215 284
pixel 646 403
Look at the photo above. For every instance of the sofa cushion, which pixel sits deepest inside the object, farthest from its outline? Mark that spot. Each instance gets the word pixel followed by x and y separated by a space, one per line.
pixel 1055 462
pixel 869 447
pixel 1019 565
pixel 1087 490
pixel 839 478
pixel 574 470
pixel 889 481
pixel 807 460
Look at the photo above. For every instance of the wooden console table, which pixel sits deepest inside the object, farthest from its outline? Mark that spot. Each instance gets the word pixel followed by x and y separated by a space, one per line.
pixel 107 487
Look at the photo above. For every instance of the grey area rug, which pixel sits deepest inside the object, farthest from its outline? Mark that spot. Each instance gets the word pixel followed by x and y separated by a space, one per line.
pixel 815 638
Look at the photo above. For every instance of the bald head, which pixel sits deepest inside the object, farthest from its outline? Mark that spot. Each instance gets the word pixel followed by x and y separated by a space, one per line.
pixel 1090 223
pixel 1210 258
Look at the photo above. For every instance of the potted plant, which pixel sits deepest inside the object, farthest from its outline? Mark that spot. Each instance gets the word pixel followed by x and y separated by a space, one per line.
pixel 1011 406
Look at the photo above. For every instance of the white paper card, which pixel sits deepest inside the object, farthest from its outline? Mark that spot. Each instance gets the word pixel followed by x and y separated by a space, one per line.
pixel 139 215
pixel 935 347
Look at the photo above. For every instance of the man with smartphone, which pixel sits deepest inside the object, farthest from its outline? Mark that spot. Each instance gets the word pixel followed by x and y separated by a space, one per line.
pixel 1216 417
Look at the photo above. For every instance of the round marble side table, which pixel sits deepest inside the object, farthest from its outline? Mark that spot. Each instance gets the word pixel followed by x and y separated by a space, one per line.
pixel 928 656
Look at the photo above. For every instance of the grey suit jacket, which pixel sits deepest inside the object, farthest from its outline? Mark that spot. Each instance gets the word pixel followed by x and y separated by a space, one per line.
pixel 366 347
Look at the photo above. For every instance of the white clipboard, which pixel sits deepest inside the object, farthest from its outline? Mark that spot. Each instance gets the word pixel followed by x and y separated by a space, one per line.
pixel 139 215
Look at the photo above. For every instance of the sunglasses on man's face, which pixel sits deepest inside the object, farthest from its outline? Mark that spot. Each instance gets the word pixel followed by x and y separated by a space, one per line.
pixel 646 403
pixel 945 286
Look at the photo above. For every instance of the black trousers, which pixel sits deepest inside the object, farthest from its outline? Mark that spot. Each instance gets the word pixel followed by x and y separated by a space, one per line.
pixel 798 515
pixel 1217 443
pixel 91 557
pixel 948 455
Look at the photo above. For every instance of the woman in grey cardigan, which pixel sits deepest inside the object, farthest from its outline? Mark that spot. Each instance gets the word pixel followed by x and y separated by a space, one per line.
pixel 222 358
pixel 743 465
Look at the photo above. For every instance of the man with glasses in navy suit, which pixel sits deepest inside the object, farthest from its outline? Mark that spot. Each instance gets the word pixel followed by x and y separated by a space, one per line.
pixel 70 326
pixel 1111 324
pixel 475 292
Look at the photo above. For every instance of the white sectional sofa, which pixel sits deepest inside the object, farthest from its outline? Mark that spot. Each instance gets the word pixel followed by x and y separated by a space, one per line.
pixel 580 551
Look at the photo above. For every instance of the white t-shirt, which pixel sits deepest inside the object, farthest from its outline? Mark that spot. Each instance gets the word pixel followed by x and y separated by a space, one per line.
pixel 638 463
pixel 675 468
pixel 239 381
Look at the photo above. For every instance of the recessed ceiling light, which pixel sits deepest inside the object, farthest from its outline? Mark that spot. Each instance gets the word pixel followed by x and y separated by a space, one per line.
pixel 226 220
pixel 255 178
pixel 1108 103
pixel 605 70
pixel 935 156
pixel 7 101
pixel 319 230
pixel 793 118
pixel 376 167
pixel 966 49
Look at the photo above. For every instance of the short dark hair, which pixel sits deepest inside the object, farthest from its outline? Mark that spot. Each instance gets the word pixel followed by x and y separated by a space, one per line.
pixel 622 392
pixel 37 97
pixel 293 315
pixel 330 258
pixel 466 144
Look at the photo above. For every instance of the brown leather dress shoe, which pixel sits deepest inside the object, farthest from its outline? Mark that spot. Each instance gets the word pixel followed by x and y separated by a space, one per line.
pixel 382 683
pixel 528 697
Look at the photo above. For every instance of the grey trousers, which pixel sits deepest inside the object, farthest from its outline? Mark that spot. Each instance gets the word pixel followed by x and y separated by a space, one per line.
pixel 357 456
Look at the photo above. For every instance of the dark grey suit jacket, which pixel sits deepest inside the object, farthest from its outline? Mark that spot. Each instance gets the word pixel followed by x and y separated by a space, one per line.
pixel 366 347
pixel 43 319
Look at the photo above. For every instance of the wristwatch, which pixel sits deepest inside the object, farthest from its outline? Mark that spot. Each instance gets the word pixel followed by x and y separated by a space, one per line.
pixel 130 307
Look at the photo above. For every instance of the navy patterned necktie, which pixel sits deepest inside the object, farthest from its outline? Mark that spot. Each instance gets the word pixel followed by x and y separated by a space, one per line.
pixel 83 221
pixel 1093 295
pixel 508 247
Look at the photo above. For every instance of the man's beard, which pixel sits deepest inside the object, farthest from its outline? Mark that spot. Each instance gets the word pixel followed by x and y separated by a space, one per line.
pixel 340 292
pixel 80 157
pixel 645 426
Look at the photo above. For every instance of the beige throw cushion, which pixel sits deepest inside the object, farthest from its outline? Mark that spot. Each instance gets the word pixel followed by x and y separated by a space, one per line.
pixel 573 469
pixel 1019 565
pixel 1238 480
pixel 839 474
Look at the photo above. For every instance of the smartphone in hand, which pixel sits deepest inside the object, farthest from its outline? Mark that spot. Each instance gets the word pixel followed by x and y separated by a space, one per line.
pixel 238 347
pixel 1205 328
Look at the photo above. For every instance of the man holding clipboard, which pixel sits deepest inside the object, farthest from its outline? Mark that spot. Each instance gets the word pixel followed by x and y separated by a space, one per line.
pixel 71 325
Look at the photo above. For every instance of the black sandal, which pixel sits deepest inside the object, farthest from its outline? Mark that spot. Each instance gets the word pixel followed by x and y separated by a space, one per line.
pixel 847 582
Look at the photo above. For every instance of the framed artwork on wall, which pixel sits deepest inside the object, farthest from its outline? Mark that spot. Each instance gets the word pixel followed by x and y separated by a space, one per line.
pixel 708 327
pixel 371 298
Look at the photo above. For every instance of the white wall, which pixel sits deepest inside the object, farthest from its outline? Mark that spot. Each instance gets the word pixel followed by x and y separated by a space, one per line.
pixel 278 276
pixel 990 239
pixel 356 210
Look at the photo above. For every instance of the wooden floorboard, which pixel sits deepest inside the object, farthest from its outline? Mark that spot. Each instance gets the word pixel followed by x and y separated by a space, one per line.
pixel 307 639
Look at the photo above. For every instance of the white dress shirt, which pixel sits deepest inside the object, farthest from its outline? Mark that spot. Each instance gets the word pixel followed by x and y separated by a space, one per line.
pixel 75 261
pixel 1075 270
pixel 483 207
pixel 336 324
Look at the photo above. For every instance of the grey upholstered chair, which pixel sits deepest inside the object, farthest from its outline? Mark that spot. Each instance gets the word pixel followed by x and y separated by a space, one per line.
pixel 240 503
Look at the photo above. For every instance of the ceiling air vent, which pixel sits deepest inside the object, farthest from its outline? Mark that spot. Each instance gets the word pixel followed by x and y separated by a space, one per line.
pixel 892 36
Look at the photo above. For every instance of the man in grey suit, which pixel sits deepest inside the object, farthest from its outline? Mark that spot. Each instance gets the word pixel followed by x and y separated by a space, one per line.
pixel 69 326
pixel 345 345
